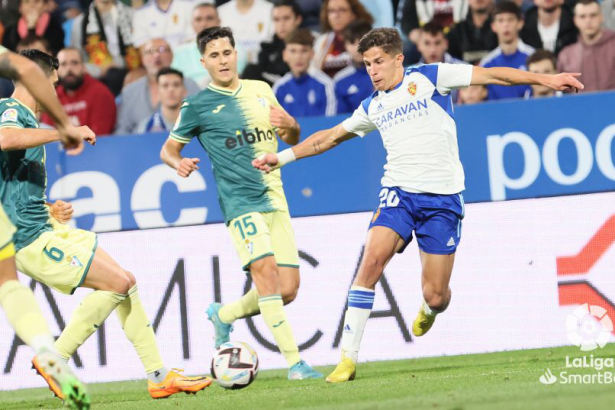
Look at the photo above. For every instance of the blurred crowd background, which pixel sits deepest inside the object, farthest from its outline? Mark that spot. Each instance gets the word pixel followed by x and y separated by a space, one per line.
pixel 126 66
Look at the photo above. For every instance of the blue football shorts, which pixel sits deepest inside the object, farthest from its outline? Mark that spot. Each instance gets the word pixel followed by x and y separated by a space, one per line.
pixel 435 219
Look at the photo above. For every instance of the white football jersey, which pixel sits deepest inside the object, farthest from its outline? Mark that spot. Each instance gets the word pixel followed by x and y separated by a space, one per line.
pixel 417 126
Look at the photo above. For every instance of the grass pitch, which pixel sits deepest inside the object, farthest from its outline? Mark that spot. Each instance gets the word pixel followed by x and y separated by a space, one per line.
pixel 494 381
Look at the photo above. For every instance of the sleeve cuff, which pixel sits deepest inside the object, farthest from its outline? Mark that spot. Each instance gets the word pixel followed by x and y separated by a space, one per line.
pixel 179 138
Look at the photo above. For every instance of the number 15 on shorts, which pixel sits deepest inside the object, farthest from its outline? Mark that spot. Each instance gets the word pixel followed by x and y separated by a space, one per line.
pixel 245 226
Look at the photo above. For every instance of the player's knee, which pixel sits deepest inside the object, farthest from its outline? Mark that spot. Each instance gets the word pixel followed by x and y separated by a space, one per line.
pixel 132 281
pixel 122 282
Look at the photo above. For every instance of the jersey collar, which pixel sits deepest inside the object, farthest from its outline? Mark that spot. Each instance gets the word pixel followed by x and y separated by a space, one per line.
pixel 24 106
pixel 225 91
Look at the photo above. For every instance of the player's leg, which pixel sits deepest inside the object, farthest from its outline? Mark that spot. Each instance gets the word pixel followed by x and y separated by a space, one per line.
pixel 438 234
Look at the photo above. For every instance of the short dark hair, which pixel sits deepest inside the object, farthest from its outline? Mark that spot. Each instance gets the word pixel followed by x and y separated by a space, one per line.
pixel 167 71
pixel 213 33
pixel 301 36
pixel 508 6
pixel 432 28
pixel 31 39
pixel 388 39
pixel 46 62
pixel 586 2
pixel 355 30
pixel 540 55
pixel 289 3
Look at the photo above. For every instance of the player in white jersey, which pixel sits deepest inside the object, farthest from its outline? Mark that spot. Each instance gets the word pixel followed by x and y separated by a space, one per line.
pixel 423 179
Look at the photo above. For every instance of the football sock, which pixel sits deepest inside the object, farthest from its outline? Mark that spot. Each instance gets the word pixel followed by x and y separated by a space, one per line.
pixel 245 306
pixel 158 376
pixel 431 312
pixel 25 316
pixel 360 304
pixel 89 315
pixel 139 331
pixel 272 311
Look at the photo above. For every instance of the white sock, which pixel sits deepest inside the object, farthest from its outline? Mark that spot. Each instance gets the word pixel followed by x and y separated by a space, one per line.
pixel 44 342
pixel 360 304
pixel 158 376
pixel 429 311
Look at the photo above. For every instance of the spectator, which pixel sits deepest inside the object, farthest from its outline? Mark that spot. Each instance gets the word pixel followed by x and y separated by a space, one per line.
pixel 34 20
pixel 167 19
pixel 511 52
pixel 549 26
pixel 331 55
pixel 140 99
pixel 608 11
pixel 472 38
pixel 172 92
pixel 251 23
pixel 310 10
pixel 593 55
pixel 542 62
pixel 304 91
pixel 187 58
pixel 32 41
pixel 271 67
pixel 472 95
pixel 353 84
pixel 86 100
pixel 417 13
pixel 104 34
pixel 433 45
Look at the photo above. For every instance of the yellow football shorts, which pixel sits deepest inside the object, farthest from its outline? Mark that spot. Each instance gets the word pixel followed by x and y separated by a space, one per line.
pixel 258 235
pixel 59 258
pixel 6 236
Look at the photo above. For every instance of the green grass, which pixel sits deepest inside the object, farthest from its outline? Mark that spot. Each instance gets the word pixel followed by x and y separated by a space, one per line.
pixel 494 381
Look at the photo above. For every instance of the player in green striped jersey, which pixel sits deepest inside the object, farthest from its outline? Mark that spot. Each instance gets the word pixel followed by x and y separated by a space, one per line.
pixel 236 121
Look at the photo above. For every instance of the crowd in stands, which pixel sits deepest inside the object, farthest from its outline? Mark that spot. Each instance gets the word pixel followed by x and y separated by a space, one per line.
pixel 126 65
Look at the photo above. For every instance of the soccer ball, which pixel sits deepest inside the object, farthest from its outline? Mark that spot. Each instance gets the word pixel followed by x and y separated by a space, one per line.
pixel 235 365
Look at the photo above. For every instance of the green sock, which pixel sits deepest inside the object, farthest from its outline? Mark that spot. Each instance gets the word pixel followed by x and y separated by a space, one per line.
pixel 272 310
pixel 245 306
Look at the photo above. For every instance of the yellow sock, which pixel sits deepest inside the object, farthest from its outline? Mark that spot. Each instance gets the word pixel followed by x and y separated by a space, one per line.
pixel 245 306
pixel 23 312
pixel 272 310
pixel 89 315
pixel 139 331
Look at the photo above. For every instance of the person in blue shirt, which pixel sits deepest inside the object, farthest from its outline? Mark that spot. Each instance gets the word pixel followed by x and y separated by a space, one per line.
pixel 352 84
pixel 304 91
pixel 511 52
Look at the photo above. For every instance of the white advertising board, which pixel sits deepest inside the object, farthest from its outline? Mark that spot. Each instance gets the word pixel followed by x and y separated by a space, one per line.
pixel 507 292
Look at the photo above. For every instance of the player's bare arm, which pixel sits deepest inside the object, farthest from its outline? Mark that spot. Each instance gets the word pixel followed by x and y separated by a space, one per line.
pixel 171 155
pixel 287 127
pixel 12 139
pixel 61 211
pixel 512 76
pixel 315 144
pixel 21 69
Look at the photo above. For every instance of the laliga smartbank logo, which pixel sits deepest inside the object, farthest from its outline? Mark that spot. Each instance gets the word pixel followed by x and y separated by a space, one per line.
pixel 589 328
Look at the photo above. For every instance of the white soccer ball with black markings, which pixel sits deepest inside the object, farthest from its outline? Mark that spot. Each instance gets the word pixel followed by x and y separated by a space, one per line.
pixel 235 365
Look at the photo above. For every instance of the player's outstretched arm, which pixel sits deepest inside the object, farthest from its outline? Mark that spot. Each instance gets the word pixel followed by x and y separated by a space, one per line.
pixel 512 76
pixel 32 77
pixel 315 144
pixel 171 155
pixel 14 138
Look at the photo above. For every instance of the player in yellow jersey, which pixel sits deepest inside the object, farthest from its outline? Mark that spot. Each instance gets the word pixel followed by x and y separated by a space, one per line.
pixel 65 258
pixel 235 122
pixel 16 299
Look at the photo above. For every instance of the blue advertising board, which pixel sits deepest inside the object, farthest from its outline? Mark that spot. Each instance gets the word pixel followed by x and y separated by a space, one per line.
pixel 510 150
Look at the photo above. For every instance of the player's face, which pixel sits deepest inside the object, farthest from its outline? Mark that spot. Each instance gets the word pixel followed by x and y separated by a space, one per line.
pixel 156 54
pixel 204 17
pixel 542 67
pixel 220 61
pixel 71 69
pixel 284 21
pixel 432 48
pixel 507 27
pixel 339 14
pixel 588 19
pixel 382 67
pixel 298 57
pixel 171 89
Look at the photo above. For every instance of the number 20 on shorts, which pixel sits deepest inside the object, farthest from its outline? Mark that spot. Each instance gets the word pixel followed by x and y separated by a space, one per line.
pixel 245 226
pixel 388 198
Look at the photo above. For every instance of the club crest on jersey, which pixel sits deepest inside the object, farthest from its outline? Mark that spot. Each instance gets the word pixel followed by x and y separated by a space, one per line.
pixel 412 88
pixel 9 115
pixel 261 101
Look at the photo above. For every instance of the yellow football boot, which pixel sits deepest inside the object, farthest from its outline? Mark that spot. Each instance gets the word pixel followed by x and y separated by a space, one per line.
pixel 177 383
pixel 422 323
pixel 345 371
